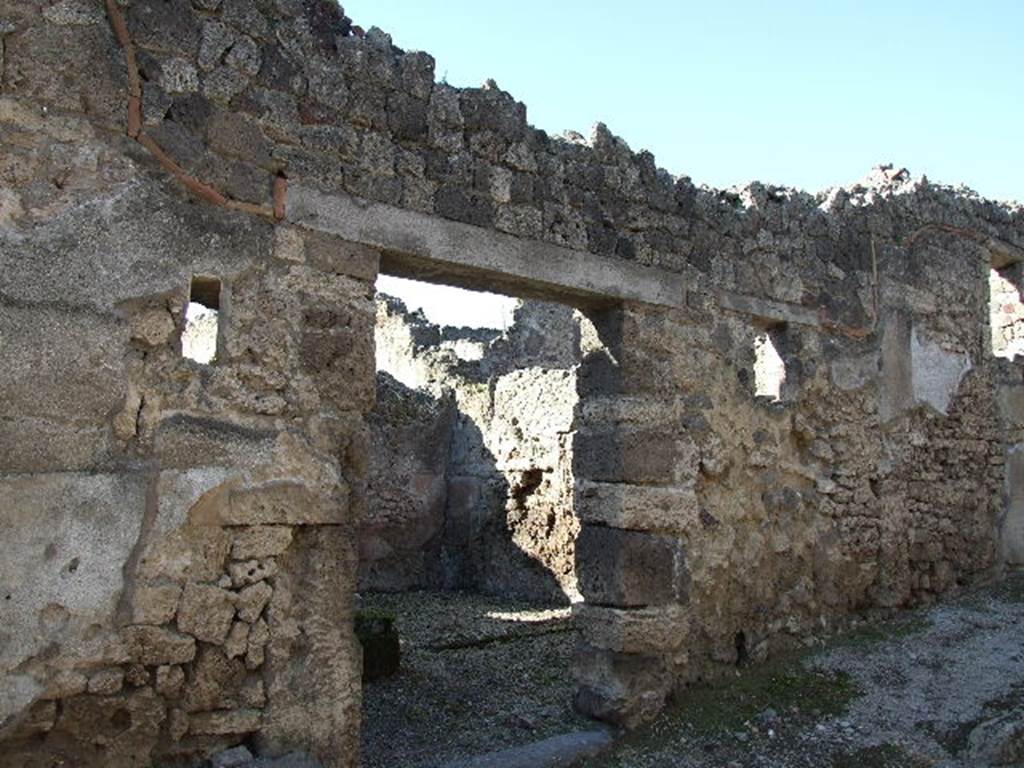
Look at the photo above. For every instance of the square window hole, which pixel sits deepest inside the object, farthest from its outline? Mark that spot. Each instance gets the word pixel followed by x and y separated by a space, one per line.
pixel 202 323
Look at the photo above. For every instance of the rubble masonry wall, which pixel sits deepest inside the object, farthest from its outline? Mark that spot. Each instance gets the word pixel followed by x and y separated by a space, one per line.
pixel 180 540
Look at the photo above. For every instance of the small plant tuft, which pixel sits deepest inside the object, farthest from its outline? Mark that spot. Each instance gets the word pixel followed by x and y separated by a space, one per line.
pixel 382 647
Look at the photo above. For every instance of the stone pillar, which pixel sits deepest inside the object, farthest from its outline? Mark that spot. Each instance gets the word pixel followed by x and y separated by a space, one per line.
pixel 634 466
pixel 314 661
pixel 1011 408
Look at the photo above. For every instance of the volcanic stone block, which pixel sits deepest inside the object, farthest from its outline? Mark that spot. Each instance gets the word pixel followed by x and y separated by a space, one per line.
pixel 153 645
pixel 259 636
pixel 637 507
pixel 620 688
pixel 341 257
pixel 452 202
pixel 630 569
pixel 337 349
pixel 222 723
pixel 206 612
pixel 65 684
pixel 407 117
pixel 651 631
pixel 285 502
pixel 251 572
pixel 155 604
pixel 320 660
pixel 106 682
pixel 252 600
pixel 169 680
pixel 237 641
pixel 621 455
pixel 261 541
pixel 215 682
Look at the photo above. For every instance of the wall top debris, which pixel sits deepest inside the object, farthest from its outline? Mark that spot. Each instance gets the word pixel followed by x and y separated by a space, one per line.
pixel 249 96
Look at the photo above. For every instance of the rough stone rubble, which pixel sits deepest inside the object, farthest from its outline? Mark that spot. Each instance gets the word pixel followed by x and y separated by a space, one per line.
pixel 180 539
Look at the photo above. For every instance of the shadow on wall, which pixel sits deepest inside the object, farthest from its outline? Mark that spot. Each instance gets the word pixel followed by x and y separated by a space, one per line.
pixel 401 534
pixel 497 524
pixel 471 483
pixel 441 515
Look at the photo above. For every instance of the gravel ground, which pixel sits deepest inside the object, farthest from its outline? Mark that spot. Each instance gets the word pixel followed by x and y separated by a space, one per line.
pixel 478 674
pixel 481 674
pixel 906 693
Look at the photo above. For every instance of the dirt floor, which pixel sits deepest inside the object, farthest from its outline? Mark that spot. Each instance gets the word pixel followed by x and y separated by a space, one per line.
pixel 477 675
pixel 940 687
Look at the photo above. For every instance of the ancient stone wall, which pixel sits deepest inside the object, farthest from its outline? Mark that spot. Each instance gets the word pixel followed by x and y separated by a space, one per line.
pixel 182 531
pixel 178 562
pixel 402 533
pixel 505 524
pixel 179 553
pixel 720 527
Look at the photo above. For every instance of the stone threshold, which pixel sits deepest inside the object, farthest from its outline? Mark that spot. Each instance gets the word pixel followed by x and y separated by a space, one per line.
pixel 556 752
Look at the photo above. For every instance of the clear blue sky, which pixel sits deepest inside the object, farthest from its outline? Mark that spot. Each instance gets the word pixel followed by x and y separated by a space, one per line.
pixel 802 93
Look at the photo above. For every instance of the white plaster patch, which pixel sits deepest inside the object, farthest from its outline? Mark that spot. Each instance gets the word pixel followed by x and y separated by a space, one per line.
pixel 66 539
pixel 937 373
pixel 180 490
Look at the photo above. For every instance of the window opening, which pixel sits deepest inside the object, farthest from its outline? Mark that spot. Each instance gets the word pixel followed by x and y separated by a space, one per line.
pixel 769 367
pixel 1006 312
pixel 199 336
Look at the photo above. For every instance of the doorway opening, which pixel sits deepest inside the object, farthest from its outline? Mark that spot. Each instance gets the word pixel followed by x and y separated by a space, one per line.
pixel 468 542
pixel 1006 311
pixel 1006 290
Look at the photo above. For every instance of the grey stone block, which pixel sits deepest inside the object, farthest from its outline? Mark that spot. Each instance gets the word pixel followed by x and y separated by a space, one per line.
pixel 630 569
pixel 556 752
pixel 625 455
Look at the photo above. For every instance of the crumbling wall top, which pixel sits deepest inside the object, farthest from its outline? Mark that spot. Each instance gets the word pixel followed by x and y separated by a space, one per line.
pixel 252 98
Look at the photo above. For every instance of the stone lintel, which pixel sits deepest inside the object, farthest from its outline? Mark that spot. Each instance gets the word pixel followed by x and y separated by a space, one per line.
pixel 430 248
pixel 766 309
